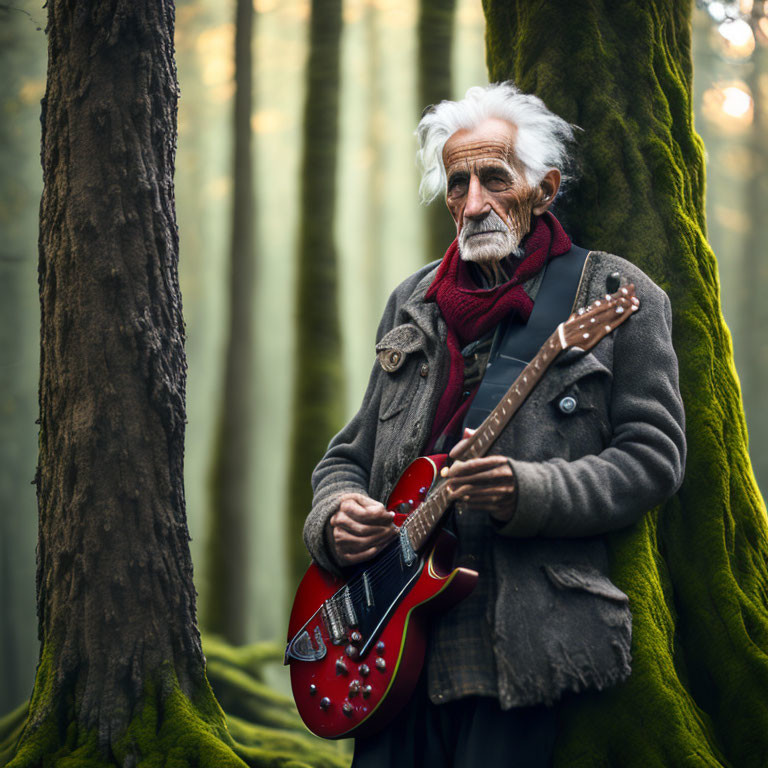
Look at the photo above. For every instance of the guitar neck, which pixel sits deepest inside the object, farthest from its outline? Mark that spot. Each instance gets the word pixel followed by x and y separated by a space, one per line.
pixel 422 522
pixel 583 329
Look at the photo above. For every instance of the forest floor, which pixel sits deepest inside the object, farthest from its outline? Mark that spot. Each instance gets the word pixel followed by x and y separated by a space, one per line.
pixel 263 726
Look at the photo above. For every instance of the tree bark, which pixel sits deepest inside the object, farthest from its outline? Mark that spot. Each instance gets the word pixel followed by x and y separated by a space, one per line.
pixel 436 84
pixel 226 605
pixel 318 388
pixel 696 570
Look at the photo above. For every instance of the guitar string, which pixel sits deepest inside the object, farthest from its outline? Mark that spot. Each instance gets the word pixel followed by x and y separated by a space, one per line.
pixel 381 569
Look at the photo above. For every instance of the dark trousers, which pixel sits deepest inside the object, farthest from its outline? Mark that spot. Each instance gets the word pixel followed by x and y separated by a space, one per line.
pixel 469 733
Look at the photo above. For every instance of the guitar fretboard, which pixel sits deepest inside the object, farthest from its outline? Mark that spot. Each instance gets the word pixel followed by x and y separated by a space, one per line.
pixel 584 329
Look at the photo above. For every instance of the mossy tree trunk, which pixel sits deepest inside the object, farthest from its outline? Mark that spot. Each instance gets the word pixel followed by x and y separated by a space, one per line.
pixel 121 676
pixel 435 83
pixel 319 383
pixel 226 605
pixel 696 570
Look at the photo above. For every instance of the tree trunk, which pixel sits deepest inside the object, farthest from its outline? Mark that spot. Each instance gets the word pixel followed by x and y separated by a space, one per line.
pixel 696 570
pixel 121 675
pixel 226 605
pixel 318 388
pixel 435 84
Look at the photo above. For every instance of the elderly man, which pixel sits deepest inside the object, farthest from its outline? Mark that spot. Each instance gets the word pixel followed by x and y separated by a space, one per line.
pixel 598 443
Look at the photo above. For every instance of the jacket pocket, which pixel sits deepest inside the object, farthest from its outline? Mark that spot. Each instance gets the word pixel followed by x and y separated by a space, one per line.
pixel 398 354
pixel 571 369
pixel 585 578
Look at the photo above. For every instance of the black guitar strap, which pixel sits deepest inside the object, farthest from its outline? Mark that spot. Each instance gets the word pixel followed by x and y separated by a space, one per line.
pixel 518 343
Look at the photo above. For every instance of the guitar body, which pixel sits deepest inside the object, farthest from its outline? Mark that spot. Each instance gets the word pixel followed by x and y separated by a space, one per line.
pixel 356 646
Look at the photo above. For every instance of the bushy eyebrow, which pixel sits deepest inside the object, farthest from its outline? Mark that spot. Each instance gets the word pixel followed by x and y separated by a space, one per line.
pixel 501 170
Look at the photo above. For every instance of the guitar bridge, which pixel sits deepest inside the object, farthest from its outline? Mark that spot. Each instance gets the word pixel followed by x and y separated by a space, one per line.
pixel 333 623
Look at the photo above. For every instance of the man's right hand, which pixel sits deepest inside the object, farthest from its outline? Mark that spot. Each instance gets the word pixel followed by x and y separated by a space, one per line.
pixel 360 528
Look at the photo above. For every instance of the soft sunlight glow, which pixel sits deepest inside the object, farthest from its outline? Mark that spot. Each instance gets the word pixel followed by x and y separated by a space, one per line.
pixel 217 61
pixel 737 102
pixel 716 11
pixel 729 106
pixel 762 25
pixel 739 38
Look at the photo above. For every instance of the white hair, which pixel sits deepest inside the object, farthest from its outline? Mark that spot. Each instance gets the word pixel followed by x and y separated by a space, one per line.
pixel 542 136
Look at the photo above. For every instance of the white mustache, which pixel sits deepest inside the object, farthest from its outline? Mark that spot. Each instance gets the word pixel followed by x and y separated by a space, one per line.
pixel 491 223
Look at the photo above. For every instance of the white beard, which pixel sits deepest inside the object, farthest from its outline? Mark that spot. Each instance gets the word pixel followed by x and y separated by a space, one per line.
pixel 499 239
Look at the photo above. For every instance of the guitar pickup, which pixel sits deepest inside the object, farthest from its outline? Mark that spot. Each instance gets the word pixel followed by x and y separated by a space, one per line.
pixel 349 608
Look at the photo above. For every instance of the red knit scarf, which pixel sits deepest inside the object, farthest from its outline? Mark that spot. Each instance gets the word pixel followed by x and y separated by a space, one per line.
pixel 471 312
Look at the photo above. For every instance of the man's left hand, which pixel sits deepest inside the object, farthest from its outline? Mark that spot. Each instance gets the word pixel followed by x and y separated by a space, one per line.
pixel 487 483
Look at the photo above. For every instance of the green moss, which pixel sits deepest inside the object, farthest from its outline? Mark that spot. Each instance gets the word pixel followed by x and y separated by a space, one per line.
pixel 169 728
pixel 250 658
pixel 696 570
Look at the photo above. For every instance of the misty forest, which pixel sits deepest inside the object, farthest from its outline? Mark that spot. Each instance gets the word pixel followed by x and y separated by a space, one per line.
pixel 204 207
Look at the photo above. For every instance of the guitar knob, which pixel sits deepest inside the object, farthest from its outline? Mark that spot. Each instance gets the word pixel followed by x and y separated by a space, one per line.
pixel 347 709
pixel 367 689
pixel 351 651
pixel 356 637
pixel 341 667
pixel 354 688
pixel 364 670
pixel 381 665
pixel 325 702
pixel 312 689
pixel 380 646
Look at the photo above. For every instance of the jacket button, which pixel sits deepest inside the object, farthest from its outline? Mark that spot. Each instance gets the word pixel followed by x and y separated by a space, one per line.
pixel 424 370
pixel 568 404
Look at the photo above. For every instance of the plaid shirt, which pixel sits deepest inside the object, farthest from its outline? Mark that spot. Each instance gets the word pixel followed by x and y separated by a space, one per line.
pixel 460 660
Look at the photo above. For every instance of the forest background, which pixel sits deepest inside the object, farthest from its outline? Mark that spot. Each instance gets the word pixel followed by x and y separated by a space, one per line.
pixel 381 235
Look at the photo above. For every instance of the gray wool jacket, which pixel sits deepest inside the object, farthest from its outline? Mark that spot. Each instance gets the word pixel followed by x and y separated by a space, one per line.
pixel 558 623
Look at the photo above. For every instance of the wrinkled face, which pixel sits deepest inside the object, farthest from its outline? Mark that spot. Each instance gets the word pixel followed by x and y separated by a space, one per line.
pixel 487 194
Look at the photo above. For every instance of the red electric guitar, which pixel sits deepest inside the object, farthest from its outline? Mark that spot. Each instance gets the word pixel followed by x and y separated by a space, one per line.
pixel 356 646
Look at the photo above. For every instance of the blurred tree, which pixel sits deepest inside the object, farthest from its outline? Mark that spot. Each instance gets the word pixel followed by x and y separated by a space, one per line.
pixel 696 570
pixel 435 32
pixel 226 605
pixel 22 61
pixel 319 384
pixel 376 189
